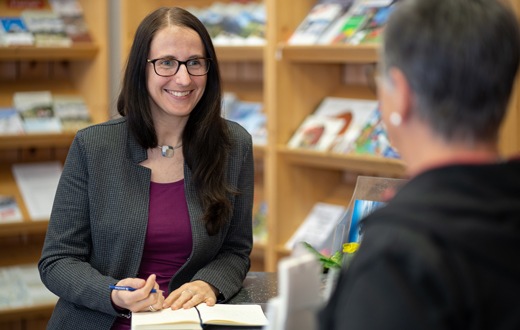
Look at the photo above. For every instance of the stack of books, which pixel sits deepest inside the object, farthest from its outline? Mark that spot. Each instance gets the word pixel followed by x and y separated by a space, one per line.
pixel 61 26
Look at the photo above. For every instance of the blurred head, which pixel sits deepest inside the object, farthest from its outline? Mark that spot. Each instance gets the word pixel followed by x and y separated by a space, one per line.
pixel 459 58
pixel 152 41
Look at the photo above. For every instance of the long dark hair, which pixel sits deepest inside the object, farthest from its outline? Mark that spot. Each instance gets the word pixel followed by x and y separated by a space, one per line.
pixel 206 141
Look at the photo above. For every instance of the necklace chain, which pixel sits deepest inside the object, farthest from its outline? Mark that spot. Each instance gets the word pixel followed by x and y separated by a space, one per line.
pixel 168 151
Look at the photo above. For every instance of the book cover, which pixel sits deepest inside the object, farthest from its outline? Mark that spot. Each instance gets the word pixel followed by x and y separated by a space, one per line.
pixel 77 29
pixel 71 13
pixel 372 29
pixel 357 18
pixel 219 314
pixel 14 32
pixel 47 27
pixel 33 104
pixel 72 111
pixel 373 139
pixel 249 115
pixel 321 16
pixel 316 133
pixel 241 24
pixel 348 24
pixel 37 112
pixel 10 121
pixel 328 36
pixel 9 210
pixel 360 209
pixel 318 226
pixel 353 112
pixel 234 23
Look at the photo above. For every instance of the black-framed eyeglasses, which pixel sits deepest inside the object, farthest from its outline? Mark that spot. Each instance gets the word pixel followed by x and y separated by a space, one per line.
pixel 167 66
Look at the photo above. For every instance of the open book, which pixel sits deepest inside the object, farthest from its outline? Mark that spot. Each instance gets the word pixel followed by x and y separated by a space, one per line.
pixel 220 314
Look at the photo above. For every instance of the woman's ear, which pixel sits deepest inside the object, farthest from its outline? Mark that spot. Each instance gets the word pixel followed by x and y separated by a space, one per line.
pixel 401 94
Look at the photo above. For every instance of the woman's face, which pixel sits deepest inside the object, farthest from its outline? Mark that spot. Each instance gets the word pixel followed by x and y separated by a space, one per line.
pixel 176 95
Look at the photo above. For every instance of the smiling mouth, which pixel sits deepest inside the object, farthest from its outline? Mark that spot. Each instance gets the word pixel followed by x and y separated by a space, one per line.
pixel 179 94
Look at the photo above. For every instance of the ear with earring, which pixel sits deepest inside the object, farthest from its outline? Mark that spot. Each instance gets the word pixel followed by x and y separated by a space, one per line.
pixel 395 119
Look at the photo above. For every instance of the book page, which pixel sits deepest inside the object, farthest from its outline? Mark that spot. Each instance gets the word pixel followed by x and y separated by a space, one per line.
pixel 38 183
pixel 226 314
pixel 299 286
pixel 317 226
pixel 166 319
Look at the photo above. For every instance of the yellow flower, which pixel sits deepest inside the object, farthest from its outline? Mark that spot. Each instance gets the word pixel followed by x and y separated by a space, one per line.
pixel 350 247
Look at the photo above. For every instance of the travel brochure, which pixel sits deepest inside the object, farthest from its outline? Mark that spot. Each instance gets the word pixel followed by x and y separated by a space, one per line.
pixel 344 126
pixel 60 26
pixel 44 112
pixel 350 22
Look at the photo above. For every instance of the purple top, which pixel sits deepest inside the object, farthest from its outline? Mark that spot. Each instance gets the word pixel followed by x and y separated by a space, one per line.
pixel 168 240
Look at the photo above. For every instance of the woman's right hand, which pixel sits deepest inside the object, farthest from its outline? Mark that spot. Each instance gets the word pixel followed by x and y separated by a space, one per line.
pixel 140 300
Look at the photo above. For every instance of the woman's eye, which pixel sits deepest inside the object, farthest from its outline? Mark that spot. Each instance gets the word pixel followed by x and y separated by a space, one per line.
pixel 167 62
pixel 194 62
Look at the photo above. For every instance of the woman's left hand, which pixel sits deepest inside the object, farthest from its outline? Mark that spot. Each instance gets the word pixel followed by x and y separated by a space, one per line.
pixel 191 294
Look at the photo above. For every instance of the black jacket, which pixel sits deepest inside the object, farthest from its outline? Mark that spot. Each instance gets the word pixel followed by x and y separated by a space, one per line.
pixel 443 254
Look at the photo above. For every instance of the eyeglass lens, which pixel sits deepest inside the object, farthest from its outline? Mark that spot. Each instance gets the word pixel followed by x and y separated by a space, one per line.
pixel 169 66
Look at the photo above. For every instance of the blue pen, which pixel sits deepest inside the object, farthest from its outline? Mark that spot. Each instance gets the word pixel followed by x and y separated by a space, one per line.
pixel 126 288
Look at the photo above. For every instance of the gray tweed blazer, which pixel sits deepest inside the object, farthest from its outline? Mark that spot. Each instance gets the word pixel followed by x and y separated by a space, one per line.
pixel 98 225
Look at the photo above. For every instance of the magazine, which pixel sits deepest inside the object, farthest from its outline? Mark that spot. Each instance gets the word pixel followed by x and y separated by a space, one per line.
pixel 14 32
pixel 10 121
pixel 316 133
pixel 321 16
pixel 354 112
pixel 9 210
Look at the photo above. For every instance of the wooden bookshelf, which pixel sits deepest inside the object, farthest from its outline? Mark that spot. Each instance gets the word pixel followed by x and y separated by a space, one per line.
pixel 297 78
pixel 81 69
pixel 74 53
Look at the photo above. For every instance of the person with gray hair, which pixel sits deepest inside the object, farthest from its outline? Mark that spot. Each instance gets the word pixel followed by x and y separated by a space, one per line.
pixel 443 252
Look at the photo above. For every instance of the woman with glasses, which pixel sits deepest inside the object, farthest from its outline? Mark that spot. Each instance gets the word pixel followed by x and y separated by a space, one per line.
pixel 158 201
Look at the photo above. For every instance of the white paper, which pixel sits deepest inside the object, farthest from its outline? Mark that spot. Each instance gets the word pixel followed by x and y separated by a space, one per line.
pixel 21 286
pixel 38 183
pixel 221 314
pixel 318 226
pixel 299 286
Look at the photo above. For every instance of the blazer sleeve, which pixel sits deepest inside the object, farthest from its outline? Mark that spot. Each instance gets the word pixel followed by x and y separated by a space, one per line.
pixel 64 264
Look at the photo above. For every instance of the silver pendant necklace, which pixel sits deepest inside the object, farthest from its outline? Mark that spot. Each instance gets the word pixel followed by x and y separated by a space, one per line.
pixel 168 151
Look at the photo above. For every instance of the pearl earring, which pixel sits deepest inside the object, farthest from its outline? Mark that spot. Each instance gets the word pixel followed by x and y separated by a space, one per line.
pixel 395 119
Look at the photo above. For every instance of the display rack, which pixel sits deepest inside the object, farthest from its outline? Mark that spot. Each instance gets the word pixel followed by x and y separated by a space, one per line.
pixel 294 81
pixel 297 78
pixel 77 70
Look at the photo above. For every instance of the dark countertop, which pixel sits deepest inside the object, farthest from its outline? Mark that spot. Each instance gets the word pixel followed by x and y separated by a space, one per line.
pixel 258 288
